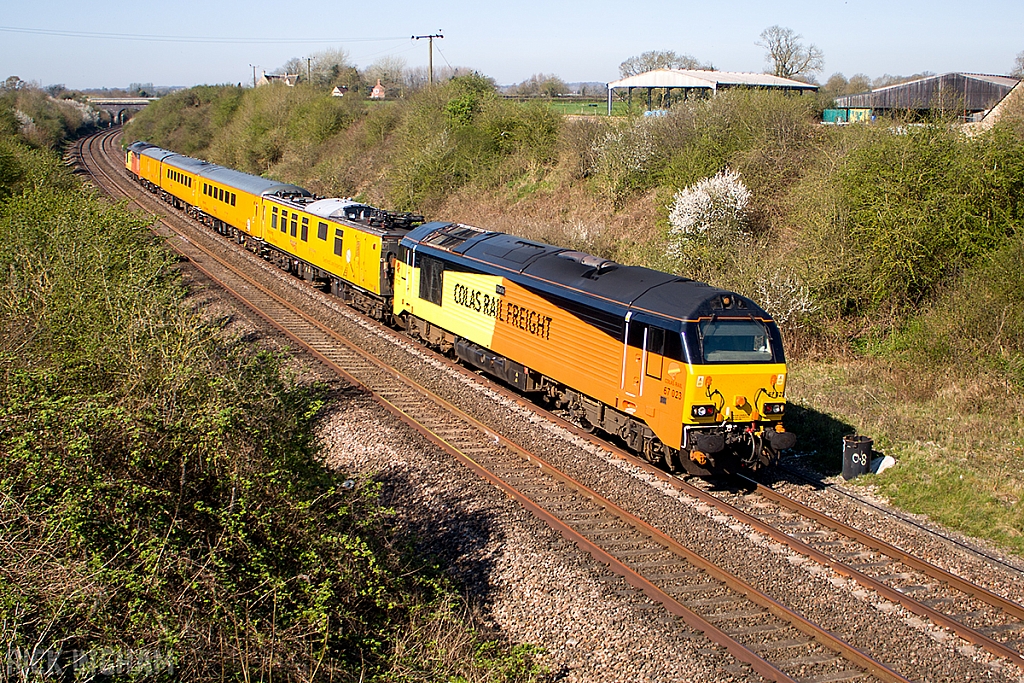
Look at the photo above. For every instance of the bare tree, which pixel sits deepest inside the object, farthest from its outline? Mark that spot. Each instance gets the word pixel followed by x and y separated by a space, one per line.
pixel 787 56
pixel 836 85
pixel 1018 66
pixel 858 83
pixel 886 80
pixel 325 68
pixel 660 59
pixel 549 85
pixel 390 70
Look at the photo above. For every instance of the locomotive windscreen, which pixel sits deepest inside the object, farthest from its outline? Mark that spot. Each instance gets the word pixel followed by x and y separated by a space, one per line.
pixel 735 341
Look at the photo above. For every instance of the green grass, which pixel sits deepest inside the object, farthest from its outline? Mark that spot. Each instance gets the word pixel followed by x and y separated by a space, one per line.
pixel 957 439
pixel 586 106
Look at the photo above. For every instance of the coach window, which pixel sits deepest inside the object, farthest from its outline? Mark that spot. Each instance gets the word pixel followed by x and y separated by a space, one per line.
pixel 338 237
pixel 295 223
pixel 232 199
pixel 284 221
pixel 431 279
pixel 321 231
pixel 305 229
pixel 273 218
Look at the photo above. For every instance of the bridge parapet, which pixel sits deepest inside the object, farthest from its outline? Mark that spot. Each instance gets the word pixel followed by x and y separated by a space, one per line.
pixel 121 109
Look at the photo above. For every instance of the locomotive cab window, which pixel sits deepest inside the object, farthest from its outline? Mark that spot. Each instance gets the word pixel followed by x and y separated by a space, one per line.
pixel 735 341
pixel 431 279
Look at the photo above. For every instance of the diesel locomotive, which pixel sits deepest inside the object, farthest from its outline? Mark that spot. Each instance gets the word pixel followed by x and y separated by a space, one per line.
pixel 690 376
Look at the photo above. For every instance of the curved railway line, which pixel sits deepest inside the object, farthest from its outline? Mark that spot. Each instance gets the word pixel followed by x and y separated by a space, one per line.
pixel 766 636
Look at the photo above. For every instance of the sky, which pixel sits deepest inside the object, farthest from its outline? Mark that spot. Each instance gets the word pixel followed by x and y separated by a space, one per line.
pixel 191 42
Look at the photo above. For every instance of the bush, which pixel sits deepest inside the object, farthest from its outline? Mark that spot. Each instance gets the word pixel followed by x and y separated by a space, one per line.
pixel 765 136
pixel 38 119
pixel 187 121
pixel 909 208
pixel 714 205
pixel 626 157
pixel 461 133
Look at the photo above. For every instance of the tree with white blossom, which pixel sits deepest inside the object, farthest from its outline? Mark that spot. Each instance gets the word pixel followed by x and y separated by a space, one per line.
pixel 715 206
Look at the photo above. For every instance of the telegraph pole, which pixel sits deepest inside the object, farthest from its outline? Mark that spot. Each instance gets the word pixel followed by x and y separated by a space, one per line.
pixel 253 75
pixel 430 57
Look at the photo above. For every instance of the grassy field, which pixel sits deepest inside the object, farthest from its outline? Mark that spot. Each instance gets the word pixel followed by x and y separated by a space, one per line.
pixel 591 107
pixel 957 439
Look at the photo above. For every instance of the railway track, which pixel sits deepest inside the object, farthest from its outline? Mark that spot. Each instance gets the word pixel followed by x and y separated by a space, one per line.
pixel 769 638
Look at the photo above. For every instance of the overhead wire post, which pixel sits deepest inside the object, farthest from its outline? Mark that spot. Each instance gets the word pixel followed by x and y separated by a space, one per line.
pixel 430 57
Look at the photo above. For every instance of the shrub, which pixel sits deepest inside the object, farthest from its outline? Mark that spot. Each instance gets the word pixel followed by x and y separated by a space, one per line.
pixel 461 133
pixel 625 158
pixel 715 204
pixel 912 207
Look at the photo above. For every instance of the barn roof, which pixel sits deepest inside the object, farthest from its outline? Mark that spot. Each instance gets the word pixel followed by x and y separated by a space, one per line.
pixel 712 80
pixel 958 91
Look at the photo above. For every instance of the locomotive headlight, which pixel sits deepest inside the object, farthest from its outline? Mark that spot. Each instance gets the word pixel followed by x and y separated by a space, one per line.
pixel 774 408
pixel 702 412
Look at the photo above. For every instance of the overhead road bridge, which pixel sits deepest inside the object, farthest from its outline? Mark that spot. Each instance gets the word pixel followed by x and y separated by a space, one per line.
pixel 121 109
pixel 704 83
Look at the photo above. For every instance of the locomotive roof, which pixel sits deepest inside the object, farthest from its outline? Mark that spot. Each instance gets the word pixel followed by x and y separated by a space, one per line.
pixel 154 152
pixel 576 275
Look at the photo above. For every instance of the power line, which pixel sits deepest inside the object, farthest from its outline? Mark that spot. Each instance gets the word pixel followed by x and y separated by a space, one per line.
pixel 189 39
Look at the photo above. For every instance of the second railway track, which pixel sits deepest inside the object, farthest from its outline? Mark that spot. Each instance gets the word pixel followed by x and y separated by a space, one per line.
pixel 772 639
